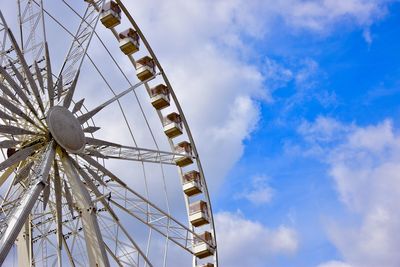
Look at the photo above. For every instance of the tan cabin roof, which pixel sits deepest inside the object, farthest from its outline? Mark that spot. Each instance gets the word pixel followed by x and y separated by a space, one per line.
pixel 159 89
pixel 129 33
pixel 112 5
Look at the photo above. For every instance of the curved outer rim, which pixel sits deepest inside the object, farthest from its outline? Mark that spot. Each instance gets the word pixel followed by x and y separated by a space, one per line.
pixel 188 132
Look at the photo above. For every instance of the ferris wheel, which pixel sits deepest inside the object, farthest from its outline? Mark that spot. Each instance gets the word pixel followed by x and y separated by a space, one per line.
pixel 99 165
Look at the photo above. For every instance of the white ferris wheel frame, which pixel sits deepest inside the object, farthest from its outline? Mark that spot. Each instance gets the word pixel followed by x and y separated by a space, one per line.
pixel 32 164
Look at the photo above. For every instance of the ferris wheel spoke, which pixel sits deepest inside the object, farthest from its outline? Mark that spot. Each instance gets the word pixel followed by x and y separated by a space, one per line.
pixel 18 90
pixel 18 216
pixel 32 28
pixel 98 142
pixel 5 116
pixel 78 105
pixel 94 241
pixel 27 72
pixel 85 117
pixel 115 151
pixel 4 52
pixel 9 143
pixel 19 156
pixel 50 83
pixel 69 254
pixel 14 130
pixel 58 207
pixel 70 92
pixel 39 77
pixel 125 250
pixel 8 92
pixel 74 242
pixel 80 43
pixel 16 111
pixel 110 252
pixel 148 213
pixel 91 129
pixel 46 194
pixel 19 76
pixel 115 223
pixel 101 168
pixel 91 186
pixel 23 173
pixel 6 174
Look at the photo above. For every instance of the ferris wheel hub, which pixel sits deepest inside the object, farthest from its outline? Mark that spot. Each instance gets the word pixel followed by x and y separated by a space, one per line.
pixel 66 129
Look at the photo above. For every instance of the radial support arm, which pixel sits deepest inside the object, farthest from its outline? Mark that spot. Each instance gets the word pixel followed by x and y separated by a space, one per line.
pixel 16 219
pixel 5 47
pixel 32 28
pixel 81 42
pixel 136 154
pixel 94 241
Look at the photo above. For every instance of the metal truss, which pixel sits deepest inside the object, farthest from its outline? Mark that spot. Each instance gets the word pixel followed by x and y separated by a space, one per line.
pixel 80 43
pixel 32 29
pixel 134 154
pixel 148 213
pixel 5 47
pixel 13 220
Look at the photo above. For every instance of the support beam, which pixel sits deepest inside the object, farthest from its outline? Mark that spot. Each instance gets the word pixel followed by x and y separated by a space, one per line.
pixel 24 245
pixel 94 241
pixel 17 219
pixel 135 154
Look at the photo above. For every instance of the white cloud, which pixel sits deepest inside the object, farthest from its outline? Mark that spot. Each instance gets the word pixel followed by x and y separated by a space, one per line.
pixel 364 164
pixel 260 192
pixel 334 264
pixel 323 130
pixel 367 36
pixel 276 75
pixel 322 16
pixel 199 45
pixel 205 51
pixel 244 242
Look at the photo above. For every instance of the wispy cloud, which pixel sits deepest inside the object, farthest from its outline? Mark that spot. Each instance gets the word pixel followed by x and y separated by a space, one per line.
pixel 364 165
pixel 249 243
pixel 259 192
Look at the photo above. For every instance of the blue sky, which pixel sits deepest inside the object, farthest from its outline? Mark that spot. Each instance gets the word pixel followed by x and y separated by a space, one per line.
pixel 350 79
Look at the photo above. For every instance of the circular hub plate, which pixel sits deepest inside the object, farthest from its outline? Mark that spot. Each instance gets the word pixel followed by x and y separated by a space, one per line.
pixel 66 129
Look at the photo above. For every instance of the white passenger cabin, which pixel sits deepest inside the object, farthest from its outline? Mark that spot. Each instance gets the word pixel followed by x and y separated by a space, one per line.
pixel 173 125
pixel 198 213
pixel 129 41
pixel 160 96
pixel 145 68
pixel 203 249
pixel 192 183
pixel 110 14
pixel 185 150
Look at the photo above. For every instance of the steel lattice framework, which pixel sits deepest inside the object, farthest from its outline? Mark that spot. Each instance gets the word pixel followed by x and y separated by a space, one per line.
pixel 73 192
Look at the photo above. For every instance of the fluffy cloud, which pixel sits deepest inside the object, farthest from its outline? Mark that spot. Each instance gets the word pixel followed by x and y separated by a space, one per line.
pixel 334 264
pixel 199 45
pixel 249 243
pixel 205 49
pixel 364 166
